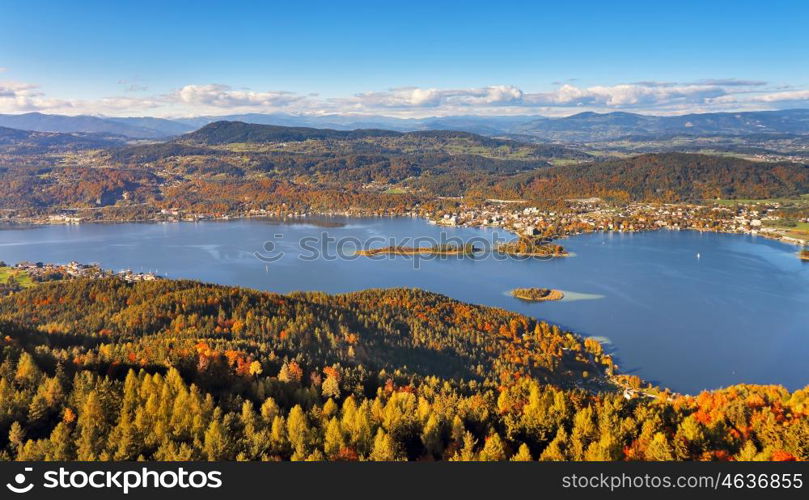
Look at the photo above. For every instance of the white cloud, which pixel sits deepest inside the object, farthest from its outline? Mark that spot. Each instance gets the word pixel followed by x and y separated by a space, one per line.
pixel 18 97
pixel 733 82
pixel 780 99
pixel 623 96
pixel 564 99
pixel 626 95
pixel 792 95
pixel 415 97
pixel 24 97
pixel 223 96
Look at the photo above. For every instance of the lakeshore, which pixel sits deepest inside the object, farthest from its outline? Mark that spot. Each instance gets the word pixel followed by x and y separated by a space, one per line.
pixel 523 218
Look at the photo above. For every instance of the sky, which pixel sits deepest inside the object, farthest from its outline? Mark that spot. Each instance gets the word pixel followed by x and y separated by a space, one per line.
pixel 405 59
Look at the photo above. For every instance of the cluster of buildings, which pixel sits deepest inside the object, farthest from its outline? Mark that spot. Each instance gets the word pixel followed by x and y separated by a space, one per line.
pixel 47 272
pixel 64 219
pixel 589 215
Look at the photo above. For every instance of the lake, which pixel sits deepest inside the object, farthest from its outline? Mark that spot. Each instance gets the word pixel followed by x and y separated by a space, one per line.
pixel 683 309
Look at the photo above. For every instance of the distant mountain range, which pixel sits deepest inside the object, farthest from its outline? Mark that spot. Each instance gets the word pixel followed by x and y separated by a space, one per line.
pixel 583 127
pixel 587 127
pixel 134 128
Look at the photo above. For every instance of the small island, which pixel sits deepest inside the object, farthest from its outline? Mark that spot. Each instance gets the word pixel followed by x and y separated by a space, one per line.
pixel 537 294
pixel 527 246
pixel 804 255
pixel 449 249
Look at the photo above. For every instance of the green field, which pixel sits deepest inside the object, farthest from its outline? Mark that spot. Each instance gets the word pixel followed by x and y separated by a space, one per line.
pixel 20 276
pixel 801 231
pixel 794 229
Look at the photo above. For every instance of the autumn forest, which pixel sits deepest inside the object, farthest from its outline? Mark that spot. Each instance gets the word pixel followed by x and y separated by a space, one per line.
pixel 179 370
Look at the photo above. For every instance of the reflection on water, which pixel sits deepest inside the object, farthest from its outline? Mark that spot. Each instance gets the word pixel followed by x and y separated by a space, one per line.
pixel 573 296
pixel 317 221
pixel 738 313
pixel 569 297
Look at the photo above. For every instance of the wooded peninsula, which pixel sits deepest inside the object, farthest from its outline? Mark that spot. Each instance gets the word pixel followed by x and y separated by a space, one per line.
pixel 449 249
pixel 526 246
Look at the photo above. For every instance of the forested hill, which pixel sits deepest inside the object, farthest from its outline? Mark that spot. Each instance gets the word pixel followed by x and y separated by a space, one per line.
pixel 374 141
pixel 178 370
pixel 224 132
pixel 413 331
pixel 668 177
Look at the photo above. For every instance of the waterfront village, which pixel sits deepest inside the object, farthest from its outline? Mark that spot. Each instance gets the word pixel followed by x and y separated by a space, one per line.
pixel 590 215
pixel 24 274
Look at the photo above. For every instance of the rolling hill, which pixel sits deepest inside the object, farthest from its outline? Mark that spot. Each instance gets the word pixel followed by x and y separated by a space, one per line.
pixel 225 132
pixel 26 142
pixel 485 125
pixel 375 140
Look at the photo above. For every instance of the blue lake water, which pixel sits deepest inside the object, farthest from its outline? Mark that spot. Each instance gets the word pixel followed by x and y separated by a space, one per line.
pixel 737 314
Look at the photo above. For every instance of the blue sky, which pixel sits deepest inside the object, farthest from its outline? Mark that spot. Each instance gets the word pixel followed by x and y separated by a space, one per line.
pixel 401 58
